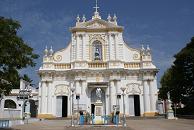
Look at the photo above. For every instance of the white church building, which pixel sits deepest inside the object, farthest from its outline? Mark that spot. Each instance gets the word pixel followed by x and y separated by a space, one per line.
pixel 97 57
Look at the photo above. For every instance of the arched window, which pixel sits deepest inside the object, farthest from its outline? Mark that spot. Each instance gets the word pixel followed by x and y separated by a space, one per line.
pixel 97 51
pixel 9 104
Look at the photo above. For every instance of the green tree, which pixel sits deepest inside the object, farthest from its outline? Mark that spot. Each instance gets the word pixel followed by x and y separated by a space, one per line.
pixel 179 79
pixel 15 55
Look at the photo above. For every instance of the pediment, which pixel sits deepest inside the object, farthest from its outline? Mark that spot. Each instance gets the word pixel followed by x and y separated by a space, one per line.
pixel 96 25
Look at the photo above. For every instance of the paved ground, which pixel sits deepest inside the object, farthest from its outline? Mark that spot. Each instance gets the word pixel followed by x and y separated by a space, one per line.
pixel 148 124
pixel 162 124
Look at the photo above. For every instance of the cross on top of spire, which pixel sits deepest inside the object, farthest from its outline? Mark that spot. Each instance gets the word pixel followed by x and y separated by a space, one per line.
pixel 96 13
pixel 96 7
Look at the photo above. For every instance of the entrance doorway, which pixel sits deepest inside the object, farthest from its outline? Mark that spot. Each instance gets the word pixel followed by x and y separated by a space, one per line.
pixel 137 105
pixel 134 105
pixel 62 106
pixel 94 99
pixel 33 108
pixel 92 108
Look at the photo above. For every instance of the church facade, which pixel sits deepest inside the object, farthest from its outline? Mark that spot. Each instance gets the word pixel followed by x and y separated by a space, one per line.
pixel 97 58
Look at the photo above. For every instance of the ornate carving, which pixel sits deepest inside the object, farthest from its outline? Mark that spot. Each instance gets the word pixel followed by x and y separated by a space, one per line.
pixel 57 58
pixel 136 57
pixel 61 90
pixel 133 88
pixel 96 25
pixel 100 37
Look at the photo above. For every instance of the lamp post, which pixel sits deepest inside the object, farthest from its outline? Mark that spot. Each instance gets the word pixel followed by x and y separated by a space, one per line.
pixel 124 116
pixel 25 95
pixel 72 97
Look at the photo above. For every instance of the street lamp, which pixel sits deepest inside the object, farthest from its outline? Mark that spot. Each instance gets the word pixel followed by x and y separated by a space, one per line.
pixel 72 120
pixel 124 116
pixel 25 95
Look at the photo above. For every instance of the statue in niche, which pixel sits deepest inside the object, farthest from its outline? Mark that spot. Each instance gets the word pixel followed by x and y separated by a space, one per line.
pixel 97 54
pixel 98 94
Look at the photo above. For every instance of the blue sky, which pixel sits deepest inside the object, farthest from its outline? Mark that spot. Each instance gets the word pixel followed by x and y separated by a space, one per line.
pixel 166 25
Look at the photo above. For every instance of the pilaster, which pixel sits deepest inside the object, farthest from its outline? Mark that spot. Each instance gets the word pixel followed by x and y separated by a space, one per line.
pixel 39 97
pixel 146 97
pixel 107 97
pixel 49 88
pixel 112 95
pixel 84 87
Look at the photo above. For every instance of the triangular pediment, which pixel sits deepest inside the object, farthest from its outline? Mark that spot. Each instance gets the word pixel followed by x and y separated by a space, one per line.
pixel 97 23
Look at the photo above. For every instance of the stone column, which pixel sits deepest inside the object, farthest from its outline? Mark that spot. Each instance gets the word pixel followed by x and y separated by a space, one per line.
pixel 116 47
pixel 119 92
pixel 111 47
pixel 47 95
pixel 84 87
pixel 81 46
pixel 53 100
pixel 77 87
pixel 72 48
pixel 107 96
pixel 50 85
pixel 152 98
pixel 77 47
pixel 112 95
pixel 39 97
pixel 84 47
pixel 146 97
pixel 43 97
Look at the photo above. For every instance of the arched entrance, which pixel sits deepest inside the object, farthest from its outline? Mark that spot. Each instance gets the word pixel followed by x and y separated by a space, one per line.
pixel 134 105
pixel 94 99
pixel 62 92
pixel 62 106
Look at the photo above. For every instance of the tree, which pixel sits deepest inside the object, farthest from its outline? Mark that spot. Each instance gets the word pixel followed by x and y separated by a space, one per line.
pixel 15 55
pixel 179 79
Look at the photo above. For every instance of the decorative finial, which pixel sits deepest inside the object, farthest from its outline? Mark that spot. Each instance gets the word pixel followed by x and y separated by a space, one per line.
pixel 109 18
pixel 142 48
pixel 148 47
pixel 78 18
pixel 51 51
pixel 46 51
pixel 115 19
pixel 84 18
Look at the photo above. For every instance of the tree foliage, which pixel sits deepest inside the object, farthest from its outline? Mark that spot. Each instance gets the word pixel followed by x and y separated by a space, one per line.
pixel 179 79
pixel 15 55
